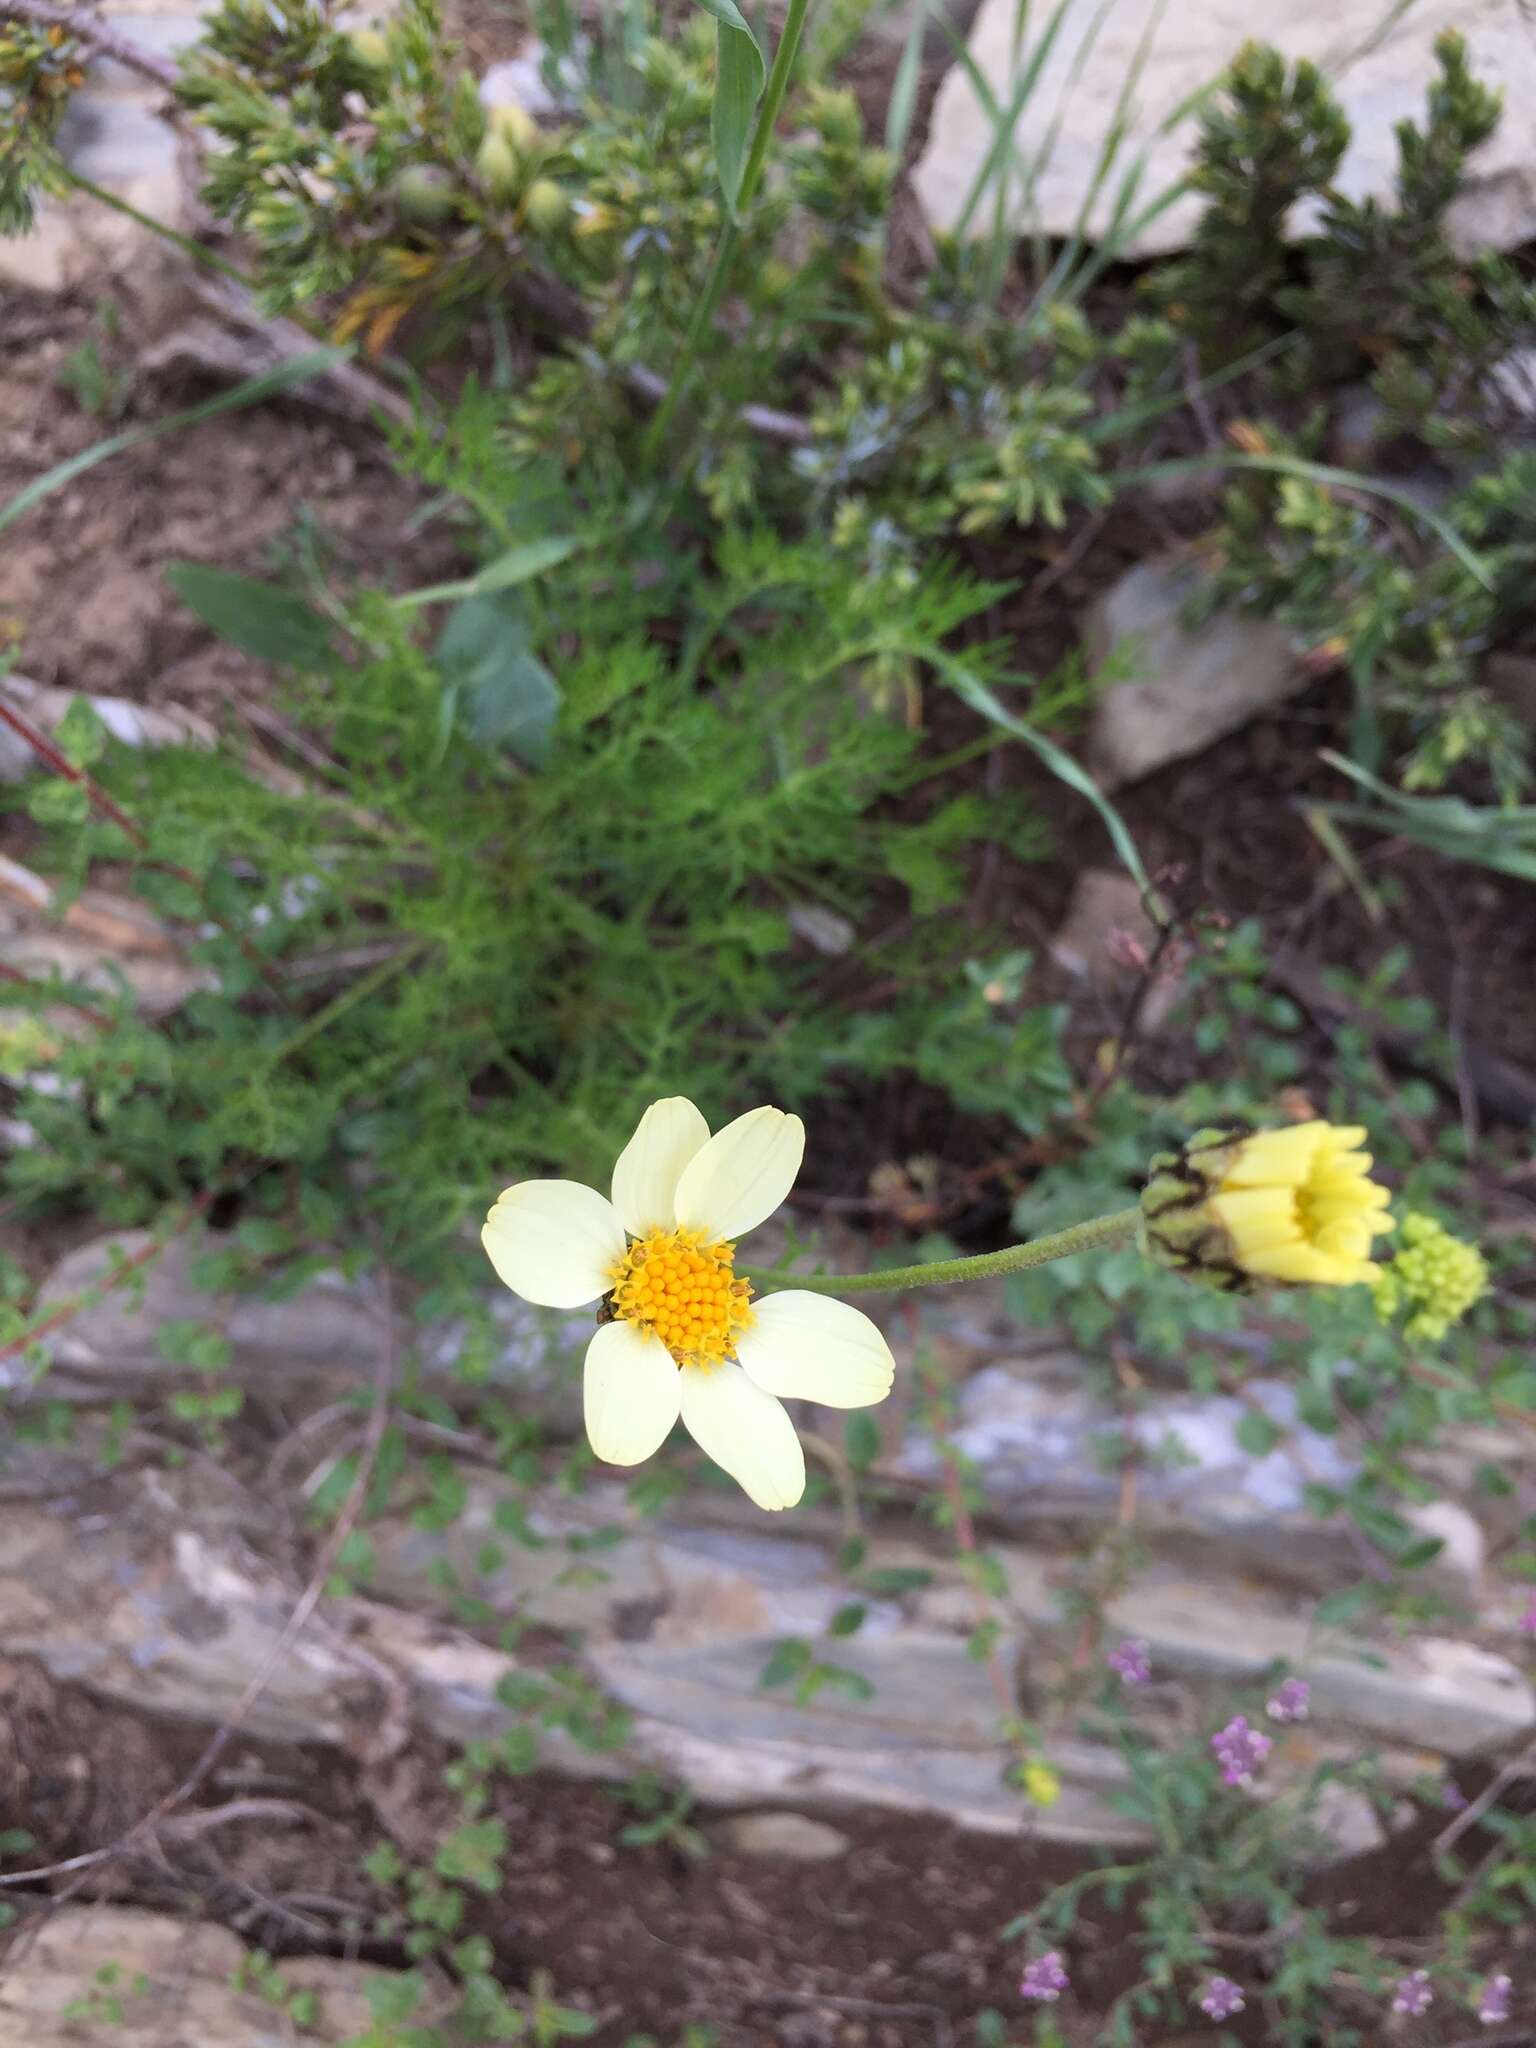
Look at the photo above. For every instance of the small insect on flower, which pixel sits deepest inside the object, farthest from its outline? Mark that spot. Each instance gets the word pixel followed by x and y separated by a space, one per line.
pixel 1493 2000
pixel 1295 1207
pixel 1291 1700
pixel 1240 1750
pixel 678 1332
pixel 1413 1995
pixel 1045 1979
pixel 1131 1663
pixel 1221 1998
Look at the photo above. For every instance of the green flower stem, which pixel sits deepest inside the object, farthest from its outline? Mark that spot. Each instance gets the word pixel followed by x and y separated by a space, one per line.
pixel 705 305
pixel 1097 1234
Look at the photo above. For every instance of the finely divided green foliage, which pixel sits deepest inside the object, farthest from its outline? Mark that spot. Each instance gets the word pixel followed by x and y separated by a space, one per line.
pixel 494 954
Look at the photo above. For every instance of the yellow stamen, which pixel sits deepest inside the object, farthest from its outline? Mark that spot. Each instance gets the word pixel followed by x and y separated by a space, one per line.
pixel 682 1289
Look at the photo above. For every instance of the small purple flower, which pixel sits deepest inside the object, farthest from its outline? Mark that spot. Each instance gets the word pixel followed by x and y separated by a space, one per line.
pixel 1413 1994
pixel 1527 1622
pixel 1131 1662
pixel 1221 1998
pixel 1240 1750
pixel 1452 1798
pixel 1493 2000
pixel 1291 1702
pixel 1044 1979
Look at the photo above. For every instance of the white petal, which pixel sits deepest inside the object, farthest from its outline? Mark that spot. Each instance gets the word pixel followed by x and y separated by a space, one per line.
pixel 629 1393
pixel 746 1431
pixel 742 1174
pixel 811 1347
pixel 555 1242
pixel 648 1169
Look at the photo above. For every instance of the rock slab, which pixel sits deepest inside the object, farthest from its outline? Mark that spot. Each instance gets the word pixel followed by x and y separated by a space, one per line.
pixel 108 1977
pixel 1380 75
pixel 1171 689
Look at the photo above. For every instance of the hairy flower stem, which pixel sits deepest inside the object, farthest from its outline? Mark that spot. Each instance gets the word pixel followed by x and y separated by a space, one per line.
pixel 1097 1234
pixel 725 249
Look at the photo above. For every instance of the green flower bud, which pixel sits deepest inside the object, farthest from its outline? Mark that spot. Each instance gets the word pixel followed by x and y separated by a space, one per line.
pixel 1434 1280
pixel 369 48
pixel 425 195
pixel 498 167
pixel 545 206
pixel 515 125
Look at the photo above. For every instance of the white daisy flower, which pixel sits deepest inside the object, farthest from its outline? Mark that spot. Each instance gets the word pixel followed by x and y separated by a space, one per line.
pixel 680 1333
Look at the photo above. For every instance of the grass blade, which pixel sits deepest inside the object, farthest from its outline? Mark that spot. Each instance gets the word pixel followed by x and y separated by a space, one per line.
pixel 521 564
pixel 1061 764
pixel 1333 479
pixel 995 164
pixel 898 115
pixel 251 392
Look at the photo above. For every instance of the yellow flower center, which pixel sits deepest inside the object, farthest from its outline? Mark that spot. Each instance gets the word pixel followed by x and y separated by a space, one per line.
pixel 683 1290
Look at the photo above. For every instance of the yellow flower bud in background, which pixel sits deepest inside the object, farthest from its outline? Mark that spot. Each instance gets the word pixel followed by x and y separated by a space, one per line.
pixel 369 48
pixel 1040 1784
pixel 497 165
pixel 545 206
pixel 515 125
pixel 1295 1207
pixel 1435 1278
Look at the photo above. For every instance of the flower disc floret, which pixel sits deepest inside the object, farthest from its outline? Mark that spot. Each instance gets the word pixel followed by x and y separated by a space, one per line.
pixel 685 1292
pixel 1294 1206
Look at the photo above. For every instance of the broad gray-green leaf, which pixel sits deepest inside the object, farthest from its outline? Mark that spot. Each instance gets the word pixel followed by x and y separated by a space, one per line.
pixel 739 75
pixel 259 618
pixel 508 697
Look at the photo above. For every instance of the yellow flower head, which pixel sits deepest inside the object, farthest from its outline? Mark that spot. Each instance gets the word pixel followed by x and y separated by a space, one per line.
pixel 678 1333
pixel 1294 1206
pixel 1435 1279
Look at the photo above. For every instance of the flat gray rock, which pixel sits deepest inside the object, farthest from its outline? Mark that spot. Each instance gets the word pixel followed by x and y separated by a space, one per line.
pixel 794 1837
pixel 1169 690
pixel 174 1986
pixel 325 1337
pixel 150 1588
